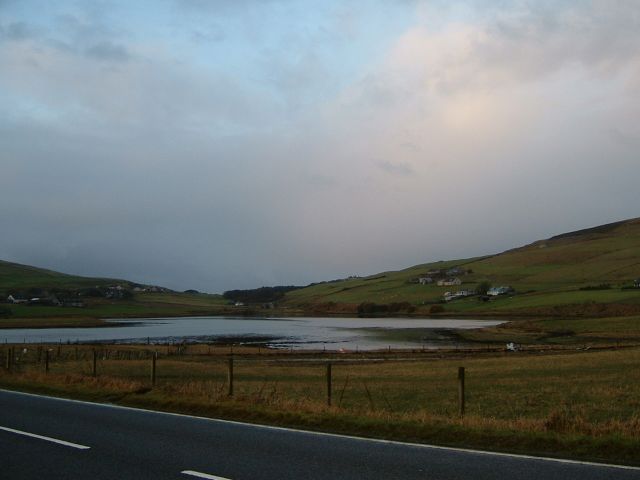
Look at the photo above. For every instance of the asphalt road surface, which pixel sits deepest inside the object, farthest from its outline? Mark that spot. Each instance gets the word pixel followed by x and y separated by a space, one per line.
pixel 48 438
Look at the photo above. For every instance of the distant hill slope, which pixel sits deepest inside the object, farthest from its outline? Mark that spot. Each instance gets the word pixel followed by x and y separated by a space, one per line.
pixel 97 299
pixel 545 273
pixel 14 276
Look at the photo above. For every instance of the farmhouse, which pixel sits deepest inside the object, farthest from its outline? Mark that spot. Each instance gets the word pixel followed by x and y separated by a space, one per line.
pixel 448 296
pixel 50 301
pixel 425 280
pixel 15 299
pixel 449 282
pixel 495 291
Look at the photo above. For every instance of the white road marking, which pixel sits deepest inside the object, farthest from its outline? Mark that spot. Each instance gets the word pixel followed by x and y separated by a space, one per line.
pixel 202 475
pixel 334 435
pixel 48 439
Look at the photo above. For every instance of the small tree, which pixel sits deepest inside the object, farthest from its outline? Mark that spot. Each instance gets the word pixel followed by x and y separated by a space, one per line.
pixel 483 288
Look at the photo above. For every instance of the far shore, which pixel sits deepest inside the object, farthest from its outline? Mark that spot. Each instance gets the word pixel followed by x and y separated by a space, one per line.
pixel 108 322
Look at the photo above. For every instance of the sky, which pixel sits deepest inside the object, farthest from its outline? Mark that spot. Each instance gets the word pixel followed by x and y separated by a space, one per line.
pixel 239 143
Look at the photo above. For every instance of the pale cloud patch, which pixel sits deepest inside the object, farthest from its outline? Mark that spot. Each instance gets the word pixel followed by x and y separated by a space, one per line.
pixel 396 168
pixel 108 51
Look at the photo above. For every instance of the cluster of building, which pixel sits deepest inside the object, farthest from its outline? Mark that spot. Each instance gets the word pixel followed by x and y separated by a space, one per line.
pixel 153 289
pixel 492 292
pixel 451 278
pixel 442 277
pixel 75 298
pixel 49 301
pixel 448 296
pixel 495 291
pixel 71 298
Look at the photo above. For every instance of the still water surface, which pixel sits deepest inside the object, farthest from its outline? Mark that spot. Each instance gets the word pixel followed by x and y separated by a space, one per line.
pixel 296 332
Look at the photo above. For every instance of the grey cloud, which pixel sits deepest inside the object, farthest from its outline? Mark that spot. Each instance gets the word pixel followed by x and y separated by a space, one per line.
pixel 299 79
pixel 212 34
pixel 221 6
pixel 108 51
pixel 396 168
pixel 623 137
pixel 322 181
pixel 542 39
pixel 159 94
pixel 87 25
pixel 17 31
pixel 89 32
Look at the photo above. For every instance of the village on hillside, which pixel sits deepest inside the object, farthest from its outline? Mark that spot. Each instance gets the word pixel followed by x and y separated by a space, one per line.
pixel 77 298
pixel 451 278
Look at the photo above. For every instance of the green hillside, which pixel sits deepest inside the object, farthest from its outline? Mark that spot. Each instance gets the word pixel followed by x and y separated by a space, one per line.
pixel 98 297
pixel 584 272
pixel 17 277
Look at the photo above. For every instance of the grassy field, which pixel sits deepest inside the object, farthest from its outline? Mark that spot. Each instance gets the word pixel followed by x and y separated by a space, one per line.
pixel 581 405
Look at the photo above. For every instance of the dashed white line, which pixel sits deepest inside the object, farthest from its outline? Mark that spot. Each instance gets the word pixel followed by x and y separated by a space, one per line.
pixel 202 475
pixel 48 439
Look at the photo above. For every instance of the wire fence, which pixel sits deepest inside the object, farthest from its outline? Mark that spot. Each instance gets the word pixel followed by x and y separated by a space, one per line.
pixel 486 381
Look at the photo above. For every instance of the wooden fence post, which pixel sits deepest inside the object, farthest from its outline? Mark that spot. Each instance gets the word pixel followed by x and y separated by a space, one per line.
pixel 154 357
pixel 230 376
pixel 95 363
pixel 329 389
pixel 8 359
pixel 461 391
pixel 46 361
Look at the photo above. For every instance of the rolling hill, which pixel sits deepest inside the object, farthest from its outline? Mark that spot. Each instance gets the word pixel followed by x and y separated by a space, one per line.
pixel 17 277
pixel 586 272
pixel 96 296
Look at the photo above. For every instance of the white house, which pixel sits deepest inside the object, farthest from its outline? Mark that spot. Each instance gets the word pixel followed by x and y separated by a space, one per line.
pixel 425 280
pixel 448 296
pixel 16 299
pixel 495 291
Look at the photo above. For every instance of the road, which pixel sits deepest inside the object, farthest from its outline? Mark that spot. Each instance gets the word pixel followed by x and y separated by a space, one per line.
pixel 44 437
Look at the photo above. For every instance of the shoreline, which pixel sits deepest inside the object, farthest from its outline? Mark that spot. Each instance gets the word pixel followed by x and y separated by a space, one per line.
pixel 73 321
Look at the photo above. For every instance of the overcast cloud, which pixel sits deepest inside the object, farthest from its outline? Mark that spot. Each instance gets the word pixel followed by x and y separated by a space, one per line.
pixel 219 145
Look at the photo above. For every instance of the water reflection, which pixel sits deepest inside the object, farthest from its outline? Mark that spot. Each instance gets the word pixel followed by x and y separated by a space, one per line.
pixel 296 332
